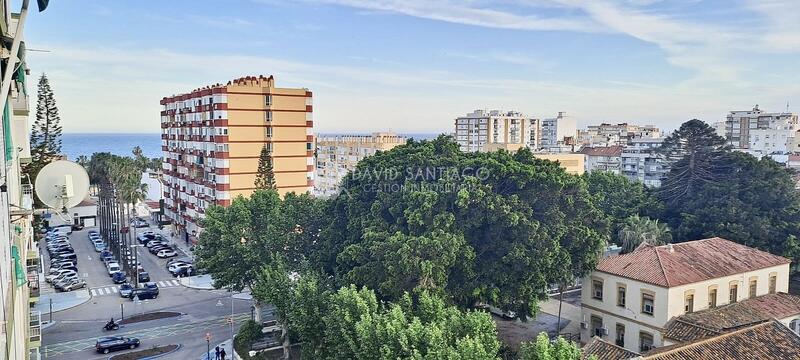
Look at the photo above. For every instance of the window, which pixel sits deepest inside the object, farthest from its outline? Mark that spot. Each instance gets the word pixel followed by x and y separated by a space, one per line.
pixel 733 293
pixel 597 326
pixel 620 341
pixel 647 303
pixel 269 132
pixel 645 341
pixel 688 303
pixel 308 146
pixel 712 298
pixel 597 289
pixel 773 281
pixel 268 116
pixel 621 295
pixel 268 100
pixel 753 288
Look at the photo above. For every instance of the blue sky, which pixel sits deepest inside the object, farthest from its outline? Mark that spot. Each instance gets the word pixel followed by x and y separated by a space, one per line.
pixel 413 66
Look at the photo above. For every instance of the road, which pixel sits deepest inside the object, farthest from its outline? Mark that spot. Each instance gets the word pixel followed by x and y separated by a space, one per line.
pixel 203 311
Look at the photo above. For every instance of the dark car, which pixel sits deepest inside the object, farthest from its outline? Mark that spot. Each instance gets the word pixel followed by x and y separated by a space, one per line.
pixel 118 277
pixel 108 344
pixel 144 276
pixel 147 292
pixel 68 256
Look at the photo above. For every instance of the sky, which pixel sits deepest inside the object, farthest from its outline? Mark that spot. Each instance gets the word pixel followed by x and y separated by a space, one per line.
pixel 413 66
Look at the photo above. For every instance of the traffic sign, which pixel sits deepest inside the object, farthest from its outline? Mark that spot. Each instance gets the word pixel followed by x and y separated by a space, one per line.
pixel 208 336
pixel 230 320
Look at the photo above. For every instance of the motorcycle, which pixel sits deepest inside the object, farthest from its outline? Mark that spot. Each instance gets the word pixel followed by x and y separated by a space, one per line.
pixel 111 327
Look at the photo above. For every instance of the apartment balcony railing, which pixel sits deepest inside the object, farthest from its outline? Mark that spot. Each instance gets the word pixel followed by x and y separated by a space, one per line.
pixel 35 330
pixel 34 354
pixel 27 196
pixel 33 282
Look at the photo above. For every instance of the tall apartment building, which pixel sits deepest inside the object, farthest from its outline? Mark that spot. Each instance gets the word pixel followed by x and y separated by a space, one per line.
pixel 482 130
pixel 603 158
pixel 616 134
pixel 559 134
pixel 739 125
pixel 212 138
pixel 338 155
pixel 19 255
pixel 631 299
pixel 641 161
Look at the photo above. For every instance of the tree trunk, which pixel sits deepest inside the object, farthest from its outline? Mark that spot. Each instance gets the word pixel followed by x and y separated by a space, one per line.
pixel 257 311
pixel 285 337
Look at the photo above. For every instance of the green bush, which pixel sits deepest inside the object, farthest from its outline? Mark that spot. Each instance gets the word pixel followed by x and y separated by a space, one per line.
pixel 249 333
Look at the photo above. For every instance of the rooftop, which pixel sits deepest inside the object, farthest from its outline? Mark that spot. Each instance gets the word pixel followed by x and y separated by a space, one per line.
pixel 689 262
pixel 605 350
pixel 602 151
pixel 711 322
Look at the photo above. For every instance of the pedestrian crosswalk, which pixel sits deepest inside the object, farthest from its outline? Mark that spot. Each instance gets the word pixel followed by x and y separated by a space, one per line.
pixel 114 289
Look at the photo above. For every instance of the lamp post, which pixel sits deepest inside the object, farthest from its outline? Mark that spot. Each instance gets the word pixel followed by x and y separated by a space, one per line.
pixel 135 248
pixel 208 346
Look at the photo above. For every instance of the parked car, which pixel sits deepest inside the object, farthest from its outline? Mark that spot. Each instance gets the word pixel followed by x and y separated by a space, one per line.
pixel 181 269
pixel 108 344
pixel 167 253
pixel 61 264
pixel 144 276
pixel 56 273
pixel 154 242
pixel 119 277
pixel 113 268
pixel 68 256
pixel 77 227
pixel 155 249
pixel 71 285
pixel 144 293
pixel 125 290
pixel 64 279
pixel 99 247
pixel 65 266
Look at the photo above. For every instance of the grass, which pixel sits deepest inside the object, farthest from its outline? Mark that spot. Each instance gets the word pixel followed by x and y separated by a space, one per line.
pixel 135 355
pixel 149 316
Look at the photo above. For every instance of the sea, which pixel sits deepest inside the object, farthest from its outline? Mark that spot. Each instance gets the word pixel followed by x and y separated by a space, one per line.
pixel 76 144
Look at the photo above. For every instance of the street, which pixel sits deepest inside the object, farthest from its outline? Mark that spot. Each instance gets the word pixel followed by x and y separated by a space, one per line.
pixel 75 330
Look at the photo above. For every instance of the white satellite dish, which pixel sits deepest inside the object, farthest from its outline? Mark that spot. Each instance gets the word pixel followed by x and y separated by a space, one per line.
pixel 61 185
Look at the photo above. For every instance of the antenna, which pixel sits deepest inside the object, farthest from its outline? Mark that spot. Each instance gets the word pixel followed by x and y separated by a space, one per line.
pixel 61 185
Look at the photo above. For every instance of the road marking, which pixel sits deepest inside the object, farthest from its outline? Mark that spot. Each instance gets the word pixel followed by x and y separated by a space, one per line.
pixel 113 289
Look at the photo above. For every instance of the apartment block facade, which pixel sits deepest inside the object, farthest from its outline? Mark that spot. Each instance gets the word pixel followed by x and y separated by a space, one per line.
pixel 212 138
pixel 559 134
pixel 481 130
pixel 630 298
pixel 338 155
pixel 641 161
pixel 603 158
pixel 20 330
pixel 741 127
pixel 604 135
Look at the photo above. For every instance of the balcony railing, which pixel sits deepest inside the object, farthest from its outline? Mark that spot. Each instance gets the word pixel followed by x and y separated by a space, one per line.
pixel 35 329
pixel 27 196
pixel 33 282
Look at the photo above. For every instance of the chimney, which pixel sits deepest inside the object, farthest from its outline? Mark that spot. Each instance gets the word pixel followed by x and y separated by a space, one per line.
pixel 670 248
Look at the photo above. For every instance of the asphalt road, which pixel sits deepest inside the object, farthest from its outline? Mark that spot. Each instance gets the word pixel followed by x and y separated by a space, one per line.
pixel 204 311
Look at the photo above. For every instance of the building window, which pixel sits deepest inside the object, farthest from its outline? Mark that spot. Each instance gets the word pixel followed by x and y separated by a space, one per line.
pixel 597 289
pixel 645 341
pixel 620 341
pixel 597 326
pixel 621 295
pixel 773 282
pixel 712 298
pixel 269 131
pixel 268 116
pixel 268 100
pixel 688 303
pixel 308 146
pixel 647 303
pixel 753 288
pixel 733 293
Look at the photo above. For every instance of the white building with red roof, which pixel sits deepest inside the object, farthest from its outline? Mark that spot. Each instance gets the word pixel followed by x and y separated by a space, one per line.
pixel 629 298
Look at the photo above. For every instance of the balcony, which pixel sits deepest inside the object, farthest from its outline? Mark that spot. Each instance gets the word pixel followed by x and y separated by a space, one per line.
pixel 33 283
pixel 35 330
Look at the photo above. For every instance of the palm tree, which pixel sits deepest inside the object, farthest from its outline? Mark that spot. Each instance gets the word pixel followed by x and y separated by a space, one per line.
pixel 637 230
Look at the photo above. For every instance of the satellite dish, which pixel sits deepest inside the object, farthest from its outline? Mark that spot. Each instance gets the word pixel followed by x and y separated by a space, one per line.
pixel 61 185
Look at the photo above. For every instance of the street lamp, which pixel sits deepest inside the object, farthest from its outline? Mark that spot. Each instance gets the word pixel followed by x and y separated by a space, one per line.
pixel 135 248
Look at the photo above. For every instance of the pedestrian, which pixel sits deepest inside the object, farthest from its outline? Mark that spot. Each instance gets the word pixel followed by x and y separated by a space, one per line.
pixel 216 351
pixel 222 353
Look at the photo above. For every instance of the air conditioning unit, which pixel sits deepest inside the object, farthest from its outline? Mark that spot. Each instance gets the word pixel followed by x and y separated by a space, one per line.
pixel 604 331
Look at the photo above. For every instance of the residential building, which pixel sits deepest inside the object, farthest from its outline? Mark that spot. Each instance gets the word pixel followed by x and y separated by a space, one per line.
pixel 630 298
pixel 85 214
pixel 338 155
pixel 212 138
pixel 641 161
pixel 765 142
pixel 604 135
pixel 571 163
pixel 559 132
pixel 740 124
pixel 794 144
pixel 603 158
pixel 20 329
pixel 482 128
pixel 768 340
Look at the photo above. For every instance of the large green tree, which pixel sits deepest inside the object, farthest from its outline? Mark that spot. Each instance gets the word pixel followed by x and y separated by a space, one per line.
pixel 265 177
pixel 636 230
pixel 46 131
pixel 692 154
pixel 544 349
pixel 478 227
pixel 620 198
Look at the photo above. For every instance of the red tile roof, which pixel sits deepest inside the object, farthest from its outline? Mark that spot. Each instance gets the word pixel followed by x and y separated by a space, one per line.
pixel 604 350
pixel 602 151
pixel 688 262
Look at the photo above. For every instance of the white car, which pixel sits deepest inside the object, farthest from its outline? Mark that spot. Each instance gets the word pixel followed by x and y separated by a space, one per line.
pixel 60 277
pixel 113 267
pixel 56 273
pixel 175 268
pixel 166 253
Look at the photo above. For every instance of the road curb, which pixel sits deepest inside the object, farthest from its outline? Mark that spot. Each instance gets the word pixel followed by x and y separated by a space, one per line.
pixel 71 306
pixel 156 356
pixel 184 282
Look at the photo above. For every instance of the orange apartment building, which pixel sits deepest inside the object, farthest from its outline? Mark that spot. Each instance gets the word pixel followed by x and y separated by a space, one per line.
pixel 212 138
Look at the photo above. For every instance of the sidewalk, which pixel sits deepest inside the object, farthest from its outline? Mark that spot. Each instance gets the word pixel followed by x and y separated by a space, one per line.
pixel 200 282
pixel 61 301
pixel 569 312
pixel 225 345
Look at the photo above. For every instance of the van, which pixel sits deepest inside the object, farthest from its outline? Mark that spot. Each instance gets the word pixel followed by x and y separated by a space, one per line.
pixel 62 230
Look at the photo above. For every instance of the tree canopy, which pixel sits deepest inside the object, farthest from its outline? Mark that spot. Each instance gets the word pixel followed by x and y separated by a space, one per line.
pixel 265 177
pixel 542 348
pixel 45 135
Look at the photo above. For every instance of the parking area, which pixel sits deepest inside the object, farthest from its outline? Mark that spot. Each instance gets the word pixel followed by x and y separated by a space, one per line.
pixel 94 272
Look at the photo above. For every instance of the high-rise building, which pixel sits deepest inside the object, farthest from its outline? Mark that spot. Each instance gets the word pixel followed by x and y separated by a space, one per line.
pixel 641 161
pixel 740 124
pixel 603 158
pixel 484 130
pixel 338 155
pixel 212 138
pixel 559 134
pixel 20 327
pixel 615 134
